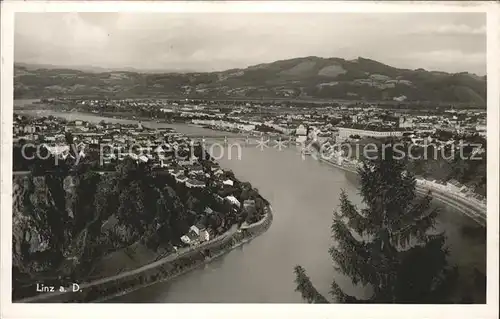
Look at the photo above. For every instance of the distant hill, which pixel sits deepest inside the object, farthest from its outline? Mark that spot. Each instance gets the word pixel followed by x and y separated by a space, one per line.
pixel 96 69
pixel 307 77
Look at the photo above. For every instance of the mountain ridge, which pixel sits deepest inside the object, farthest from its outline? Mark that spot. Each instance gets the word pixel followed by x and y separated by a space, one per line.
pixel 97 69
pixel 302 77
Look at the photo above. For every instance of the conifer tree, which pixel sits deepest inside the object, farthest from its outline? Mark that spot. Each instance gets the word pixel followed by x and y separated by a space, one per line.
pixel 390 245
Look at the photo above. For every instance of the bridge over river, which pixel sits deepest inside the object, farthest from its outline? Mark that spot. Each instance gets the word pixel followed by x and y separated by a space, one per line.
pixel 244 140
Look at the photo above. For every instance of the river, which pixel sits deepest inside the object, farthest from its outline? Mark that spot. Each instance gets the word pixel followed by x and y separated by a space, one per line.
pixel 303 193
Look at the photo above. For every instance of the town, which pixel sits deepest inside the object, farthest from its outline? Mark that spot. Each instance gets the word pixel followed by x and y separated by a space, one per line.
pixel 330 126
pixel 215 201
pixel 242 116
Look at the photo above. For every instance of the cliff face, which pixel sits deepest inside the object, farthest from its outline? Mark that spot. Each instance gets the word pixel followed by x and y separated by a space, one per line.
pixel 34 204
pixel 70 184
pixel 20 222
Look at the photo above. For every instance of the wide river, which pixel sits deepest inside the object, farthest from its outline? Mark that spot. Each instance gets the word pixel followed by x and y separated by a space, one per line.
pixel 303 193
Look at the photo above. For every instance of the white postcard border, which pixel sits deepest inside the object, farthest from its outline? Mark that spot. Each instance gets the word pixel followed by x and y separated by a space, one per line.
pixel 9 310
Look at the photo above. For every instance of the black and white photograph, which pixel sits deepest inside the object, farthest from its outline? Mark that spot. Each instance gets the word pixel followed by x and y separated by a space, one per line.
pixel 250 156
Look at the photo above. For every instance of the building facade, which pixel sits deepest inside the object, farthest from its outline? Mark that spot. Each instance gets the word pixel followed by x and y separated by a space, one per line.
pixel 346 132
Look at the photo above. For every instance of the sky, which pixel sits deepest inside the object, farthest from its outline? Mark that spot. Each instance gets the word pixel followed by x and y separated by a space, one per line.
pixel 450 42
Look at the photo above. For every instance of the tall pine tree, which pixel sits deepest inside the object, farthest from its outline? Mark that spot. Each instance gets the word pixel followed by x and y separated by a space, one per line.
pixel 390 245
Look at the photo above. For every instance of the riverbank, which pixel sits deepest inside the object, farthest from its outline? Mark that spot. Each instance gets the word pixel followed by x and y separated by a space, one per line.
pixel 110 115
pixel 266 220
pixel 124 116
pixel 471 270
pixel 474 211
pixel 162 270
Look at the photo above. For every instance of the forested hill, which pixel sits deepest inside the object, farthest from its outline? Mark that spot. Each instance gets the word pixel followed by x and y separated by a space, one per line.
pixel 308 78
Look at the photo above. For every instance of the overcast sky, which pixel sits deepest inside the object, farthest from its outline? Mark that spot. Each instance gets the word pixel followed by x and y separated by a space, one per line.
pixel 452 42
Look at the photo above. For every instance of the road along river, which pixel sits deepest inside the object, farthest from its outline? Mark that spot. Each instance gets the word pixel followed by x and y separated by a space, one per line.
pixel 303 193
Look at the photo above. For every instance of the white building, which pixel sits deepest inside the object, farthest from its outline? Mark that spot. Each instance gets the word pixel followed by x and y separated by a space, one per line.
pixel 400 98
pixel 204 235
pixel 405 122
pixel 228 182
pixel 192 237
pixel 313 134
pixel 301 130
pixel 185 239
pixel 195 235
pixel 481 129
pixel 301 134
pixel 346 132
pixel 246 127
pixel 233 200
pixel 301 139
pixel 195 229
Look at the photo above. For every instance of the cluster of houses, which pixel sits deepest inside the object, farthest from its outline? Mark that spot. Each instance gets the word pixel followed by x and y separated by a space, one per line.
pixel 451 186
pixel 454 187
pixel 107 142
pixel 192 175
pixel 200 232
pixel 246 116
pixel 36 129
pixel 163 148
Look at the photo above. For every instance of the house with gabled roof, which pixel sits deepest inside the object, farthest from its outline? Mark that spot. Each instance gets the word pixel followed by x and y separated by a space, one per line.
pixel 181 178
